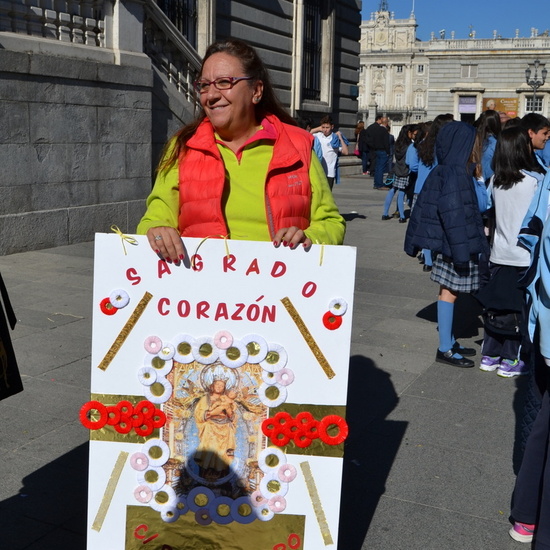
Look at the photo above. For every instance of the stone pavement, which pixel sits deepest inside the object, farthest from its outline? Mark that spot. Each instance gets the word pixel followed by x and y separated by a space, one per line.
pixel 431 453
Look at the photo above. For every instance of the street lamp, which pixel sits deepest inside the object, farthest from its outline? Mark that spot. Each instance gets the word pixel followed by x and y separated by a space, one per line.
pixel 534 82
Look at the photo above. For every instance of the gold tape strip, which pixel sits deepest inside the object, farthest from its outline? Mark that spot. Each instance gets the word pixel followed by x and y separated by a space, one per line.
pixel 110 491
pixel 304 331
pixel 316 502
pixel 126 329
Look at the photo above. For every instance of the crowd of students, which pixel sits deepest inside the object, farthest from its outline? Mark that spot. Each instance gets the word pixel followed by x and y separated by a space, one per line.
pixel 480 208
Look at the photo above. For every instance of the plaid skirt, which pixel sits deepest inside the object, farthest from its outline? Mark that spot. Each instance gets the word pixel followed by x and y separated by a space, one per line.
pixel 462 279
pixel 400 182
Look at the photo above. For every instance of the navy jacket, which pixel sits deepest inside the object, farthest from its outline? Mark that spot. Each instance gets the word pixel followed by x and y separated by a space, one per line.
pixel 446 217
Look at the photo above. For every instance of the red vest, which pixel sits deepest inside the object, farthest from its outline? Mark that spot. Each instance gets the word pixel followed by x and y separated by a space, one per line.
pixel 202 179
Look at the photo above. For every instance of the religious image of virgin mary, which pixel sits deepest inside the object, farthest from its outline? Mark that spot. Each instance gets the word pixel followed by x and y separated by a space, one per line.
pixel 215 415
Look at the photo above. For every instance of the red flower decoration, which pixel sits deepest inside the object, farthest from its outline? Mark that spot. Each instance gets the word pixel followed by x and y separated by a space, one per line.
pixel 87 422
pixel 107 307
pixel 331 321
pixel 330 420
pixel 143 418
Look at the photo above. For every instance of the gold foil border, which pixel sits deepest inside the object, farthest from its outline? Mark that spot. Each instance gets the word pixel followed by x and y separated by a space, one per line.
pixel 109 491
pixel 316 503
pixel 304 331
pixel 126 329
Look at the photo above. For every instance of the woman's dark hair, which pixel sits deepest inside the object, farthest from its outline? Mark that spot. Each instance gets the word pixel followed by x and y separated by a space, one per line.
pixel 487 124
pixel 513 153
pixel 423 129
pixel 403 141
pixel 254 67
pixel 403 138
pixel 516 121
pixel 426 150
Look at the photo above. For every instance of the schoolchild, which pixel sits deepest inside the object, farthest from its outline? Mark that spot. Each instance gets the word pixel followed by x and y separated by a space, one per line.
pixel 401 172
pixel 538 128
pixel 333 144
pixel 511 189
pixel 446 219
pixel 531 498
pixel 488 127
pixel 427 161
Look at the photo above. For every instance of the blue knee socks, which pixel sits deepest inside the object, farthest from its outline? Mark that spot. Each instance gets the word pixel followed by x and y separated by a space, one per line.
pixel 445 312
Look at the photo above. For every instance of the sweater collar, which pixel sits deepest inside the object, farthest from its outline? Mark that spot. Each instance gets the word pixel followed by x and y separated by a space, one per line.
pixel 266 131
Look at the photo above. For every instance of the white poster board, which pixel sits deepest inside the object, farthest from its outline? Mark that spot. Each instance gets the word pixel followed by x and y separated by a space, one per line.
pixel 217 414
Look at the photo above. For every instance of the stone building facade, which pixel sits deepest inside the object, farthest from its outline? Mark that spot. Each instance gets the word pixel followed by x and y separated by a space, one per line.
pixel 411 80
pixel 90 90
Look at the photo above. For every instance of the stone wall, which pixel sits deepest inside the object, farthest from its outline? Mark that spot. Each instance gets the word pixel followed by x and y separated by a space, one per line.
pixel 75 146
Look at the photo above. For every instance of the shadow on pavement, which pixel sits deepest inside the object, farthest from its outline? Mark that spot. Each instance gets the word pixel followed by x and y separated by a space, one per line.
pixel 53 495
pixel 352 216
pixel 370 450
pixel 466 321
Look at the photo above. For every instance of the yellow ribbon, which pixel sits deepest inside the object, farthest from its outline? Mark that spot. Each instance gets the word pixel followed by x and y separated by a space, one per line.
pixel 127 238
pixel 224 237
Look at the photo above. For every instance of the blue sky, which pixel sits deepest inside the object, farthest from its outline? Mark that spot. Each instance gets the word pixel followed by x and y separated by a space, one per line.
pixel 505 16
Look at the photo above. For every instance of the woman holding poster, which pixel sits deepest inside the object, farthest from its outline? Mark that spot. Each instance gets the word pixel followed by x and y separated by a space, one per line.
pixel 242 168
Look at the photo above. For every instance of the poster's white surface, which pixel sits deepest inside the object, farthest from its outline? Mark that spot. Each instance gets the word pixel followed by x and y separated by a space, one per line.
pixel 187 300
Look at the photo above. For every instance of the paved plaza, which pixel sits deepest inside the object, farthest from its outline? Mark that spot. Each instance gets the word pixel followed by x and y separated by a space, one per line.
pixel 432 452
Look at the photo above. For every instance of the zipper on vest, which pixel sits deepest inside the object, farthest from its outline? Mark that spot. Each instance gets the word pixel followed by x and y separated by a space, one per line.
pixel 269 216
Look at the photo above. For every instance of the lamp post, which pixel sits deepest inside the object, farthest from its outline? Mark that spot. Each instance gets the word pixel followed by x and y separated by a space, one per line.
pixel 534 82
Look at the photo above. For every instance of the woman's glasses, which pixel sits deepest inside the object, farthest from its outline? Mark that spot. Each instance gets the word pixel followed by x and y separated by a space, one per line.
pixel 221 83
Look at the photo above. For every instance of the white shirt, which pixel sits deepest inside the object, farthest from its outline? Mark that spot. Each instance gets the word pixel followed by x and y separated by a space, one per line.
pixel 511 205
pixel 330 154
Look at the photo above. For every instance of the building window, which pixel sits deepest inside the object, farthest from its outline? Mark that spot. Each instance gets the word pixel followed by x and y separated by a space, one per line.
pixel 417 117
pixel 399 68
pixel 311 76
pixel 184 15
pixel 533 107
pixel 420 69
pixel 468 71
pixel 399 100
pixel 419 100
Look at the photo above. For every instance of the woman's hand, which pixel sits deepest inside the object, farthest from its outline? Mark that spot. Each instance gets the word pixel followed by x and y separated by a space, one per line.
pixel 166 242
pixel 292 237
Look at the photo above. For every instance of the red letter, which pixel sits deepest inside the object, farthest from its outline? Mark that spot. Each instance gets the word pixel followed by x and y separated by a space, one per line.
pixel 183 308
pixel 202 308
pixel 221 312
pixel 196 262
pixel 162 302
pixel 132 275
pixel 163 268
pixel 228 262
pixel 237 313
pixel 309 289
pixel 279 269
pixel 143 528
pixel 253 267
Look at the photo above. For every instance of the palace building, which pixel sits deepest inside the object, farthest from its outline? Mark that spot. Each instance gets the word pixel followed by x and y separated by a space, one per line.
pixel 411 80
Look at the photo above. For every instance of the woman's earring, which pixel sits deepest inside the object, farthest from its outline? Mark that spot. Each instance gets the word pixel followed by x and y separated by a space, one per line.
pixel 256 99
